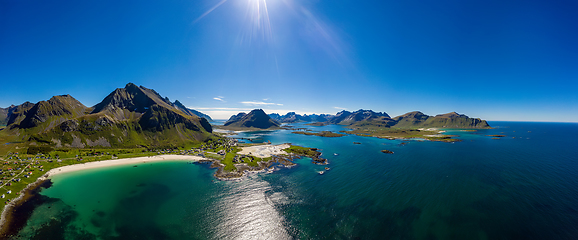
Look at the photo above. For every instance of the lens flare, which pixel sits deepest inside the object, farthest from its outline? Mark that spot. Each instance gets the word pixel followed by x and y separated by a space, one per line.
pixel 258 13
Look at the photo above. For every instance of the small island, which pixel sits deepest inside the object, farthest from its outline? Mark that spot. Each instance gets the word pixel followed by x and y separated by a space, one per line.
pixel 320 134
pixel 317 124
pixel 391 133
pixel 387 151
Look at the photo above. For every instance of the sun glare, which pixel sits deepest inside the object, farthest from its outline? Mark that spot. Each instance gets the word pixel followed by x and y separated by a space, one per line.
pixel 257 17
pixel 258 14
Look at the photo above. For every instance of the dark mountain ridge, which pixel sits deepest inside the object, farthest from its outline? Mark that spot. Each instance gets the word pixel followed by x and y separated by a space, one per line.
pixel 129 116
pixel 255 119
pixel 347 118
pixel 363 117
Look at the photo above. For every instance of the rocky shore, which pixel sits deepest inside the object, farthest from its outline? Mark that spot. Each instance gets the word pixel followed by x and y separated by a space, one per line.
pixel 17 212
pixel 277 157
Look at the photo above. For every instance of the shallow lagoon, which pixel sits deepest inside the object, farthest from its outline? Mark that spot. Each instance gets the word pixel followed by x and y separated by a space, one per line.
pixel 522 186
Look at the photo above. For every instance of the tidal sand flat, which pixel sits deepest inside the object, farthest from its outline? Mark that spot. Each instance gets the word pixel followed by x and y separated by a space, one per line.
pixel 264 151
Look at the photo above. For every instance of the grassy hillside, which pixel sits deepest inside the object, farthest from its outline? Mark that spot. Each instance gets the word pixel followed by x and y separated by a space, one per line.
pixel 127 118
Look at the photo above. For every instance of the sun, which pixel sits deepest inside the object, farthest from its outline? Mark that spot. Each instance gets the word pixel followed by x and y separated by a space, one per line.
pixel 257 17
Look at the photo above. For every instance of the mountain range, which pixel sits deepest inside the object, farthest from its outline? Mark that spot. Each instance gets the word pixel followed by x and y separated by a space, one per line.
pixel 127 117
pixel 137 116
pixel 368 117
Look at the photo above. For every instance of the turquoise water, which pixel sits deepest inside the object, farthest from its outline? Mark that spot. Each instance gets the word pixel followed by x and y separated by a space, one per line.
pixel 522 186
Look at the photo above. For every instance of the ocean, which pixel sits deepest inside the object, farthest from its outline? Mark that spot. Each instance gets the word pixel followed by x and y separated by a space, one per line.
pixel 521 186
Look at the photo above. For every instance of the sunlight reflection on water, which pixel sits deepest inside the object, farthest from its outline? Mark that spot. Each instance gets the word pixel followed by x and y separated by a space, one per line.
pixel 249 213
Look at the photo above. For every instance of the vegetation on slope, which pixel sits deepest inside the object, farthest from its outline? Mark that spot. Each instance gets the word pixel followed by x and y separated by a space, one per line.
pixel 320 134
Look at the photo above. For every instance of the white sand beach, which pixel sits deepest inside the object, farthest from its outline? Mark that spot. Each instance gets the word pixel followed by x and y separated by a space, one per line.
pixel 264 151
pixel 99 164
pixel 123 161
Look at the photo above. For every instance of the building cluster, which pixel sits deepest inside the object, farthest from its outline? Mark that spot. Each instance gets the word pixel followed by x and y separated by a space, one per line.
pixel 17 167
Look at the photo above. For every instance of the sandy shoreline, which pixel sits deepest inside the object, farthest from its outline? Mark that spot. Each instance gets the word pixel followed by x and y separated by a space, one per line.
pixel 92 165
pixel 264 151
pixel 118 162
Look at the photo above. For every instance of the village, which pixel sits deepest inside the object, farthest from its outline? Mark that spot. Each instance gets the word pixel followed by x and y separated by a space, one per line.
pixel 19 169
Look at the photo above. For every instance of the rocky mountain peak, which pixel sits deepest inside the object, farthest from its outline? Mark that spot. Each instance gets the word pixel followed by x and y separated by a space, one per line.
pixel 257 118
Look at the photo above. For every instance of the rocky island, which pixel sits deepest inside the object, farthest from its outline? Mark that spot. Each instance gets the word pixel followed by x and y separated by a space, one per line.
pixel 320 134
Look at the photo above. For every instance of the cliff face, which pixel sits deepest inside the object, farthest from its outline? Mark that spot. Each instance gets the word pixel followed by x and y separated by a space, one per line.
pixel 455 120
pixel 448 120
pixel 255 119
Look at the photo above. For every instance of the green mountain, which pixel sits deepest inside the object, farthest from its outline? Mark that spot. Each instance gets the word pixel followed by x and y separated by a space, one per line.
pixel 455 120
pixel 419 120
pixel 128 117
pixel 255 119
pixel 48 114
pixel 411 119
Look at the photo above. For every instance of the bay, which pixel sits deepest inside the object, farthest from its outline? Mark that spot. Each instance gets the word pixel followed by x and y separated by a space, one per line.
pixel 521 186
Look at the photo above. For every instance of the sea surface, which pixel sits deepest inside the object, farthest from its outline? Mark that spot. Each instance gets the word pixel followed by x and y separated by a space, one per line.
pixel 521 186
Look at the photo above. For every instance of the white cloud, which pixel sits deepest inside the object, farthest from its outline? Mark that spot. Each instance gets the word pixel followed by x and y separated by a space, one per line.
pixel 340 108
pixel 219 99
pixel 210 108
pixel 217 115
pixel 252 103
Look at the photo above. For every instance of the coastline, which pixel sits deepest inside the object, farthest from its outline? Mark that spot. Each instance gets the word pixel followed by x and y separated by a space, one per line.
pixel 14 218
pixel 9 225
pixel 118 162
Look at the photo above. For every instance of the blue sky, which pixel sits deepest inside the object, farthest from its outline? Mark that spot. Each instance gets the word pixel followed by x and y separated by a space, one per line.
pixel 496 60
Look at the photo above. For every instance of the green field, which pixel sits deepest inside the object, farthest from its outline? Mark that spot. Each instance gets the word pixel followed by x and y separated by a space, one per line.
pixel 400 133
